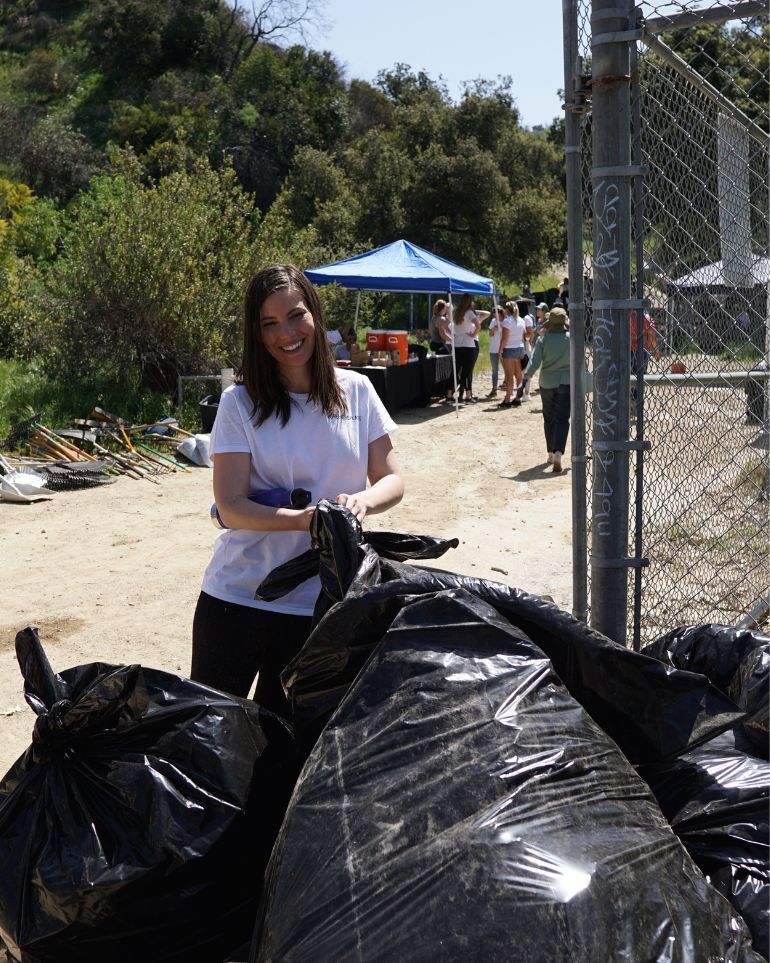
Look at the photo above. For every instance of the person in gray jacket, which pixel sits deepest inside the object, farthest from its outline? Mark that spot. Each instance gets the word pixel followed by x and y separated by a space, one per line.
pixel 552 354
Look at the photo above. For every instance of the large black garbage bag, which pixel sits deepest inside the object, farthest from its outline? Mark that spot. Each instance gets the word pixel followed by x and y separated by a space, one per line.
pixel 717 799
pixel 460 805
pixel 650 711
pixel 138 824
pixel 341 558
pixel 717 795
pixel 737 661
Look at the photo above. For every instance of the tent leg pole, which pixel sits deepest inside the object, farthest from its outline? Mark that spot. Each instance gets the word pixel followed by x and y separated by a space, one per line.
pixel 455 390
pixel 358 305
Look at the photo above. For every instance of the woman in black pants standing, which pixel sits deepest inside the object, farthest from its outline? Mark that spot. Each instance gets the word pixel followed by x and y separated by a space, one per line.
pixel 466 328
pixel 292 420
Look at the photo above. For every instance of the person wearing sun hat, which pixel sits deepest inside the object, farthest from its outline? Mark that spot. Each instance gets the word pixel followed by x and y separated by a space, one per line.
pixel 552 355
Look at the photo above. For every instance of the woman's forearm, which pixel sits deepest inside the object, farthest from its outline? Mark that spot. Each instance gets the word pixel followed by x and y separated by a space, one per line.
pixel 238 512
pixel 385 493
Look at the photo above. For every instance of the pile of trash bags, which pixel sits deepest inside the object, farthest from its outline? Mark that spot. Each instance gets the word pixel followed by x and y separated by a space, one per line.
pixel 476 775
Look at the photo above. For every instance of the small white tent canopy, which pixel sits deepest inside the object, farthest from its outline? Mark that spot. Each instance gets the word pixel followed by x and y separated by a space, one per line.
pixel 713 276
pixel 708 306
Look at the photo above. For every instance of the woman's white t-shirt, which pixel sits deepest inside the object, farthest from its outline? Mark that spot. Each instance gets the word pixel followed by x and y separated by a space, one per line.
pixel 464 337
pixel 516 333
pixel 324 454
pixel 505 325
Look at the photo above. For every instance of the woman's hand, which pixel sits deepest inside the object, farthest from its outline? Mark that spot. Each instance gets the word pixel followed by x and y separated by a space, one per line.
pixel 357 504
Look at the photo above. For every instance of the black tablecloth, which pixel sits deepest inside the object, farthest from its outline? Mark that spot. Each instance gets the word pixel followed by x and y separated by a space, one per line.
pixel 414 383
pixel 398 386
pixel 437 376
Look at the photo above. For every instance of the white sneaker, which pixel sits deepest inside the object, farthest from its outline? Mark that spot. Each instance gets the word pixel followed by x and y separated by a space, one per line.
pixel 557 461
pixel 525 396
pixel 550 458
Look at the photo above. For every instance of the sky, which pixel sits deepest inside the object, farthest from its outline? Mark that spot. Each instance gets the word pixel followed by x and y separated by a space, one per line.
pixel 457 40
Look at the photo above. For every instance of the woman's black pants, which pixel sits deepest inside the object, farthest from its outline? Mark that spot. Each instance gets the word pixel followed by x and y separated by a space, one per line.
pixel 556 417
pixel 465 359
pixel 232 643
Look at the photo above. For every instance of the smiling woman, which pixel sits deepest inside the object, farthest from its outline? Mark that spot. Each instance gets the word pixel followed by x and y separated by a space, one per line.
pixel 292 420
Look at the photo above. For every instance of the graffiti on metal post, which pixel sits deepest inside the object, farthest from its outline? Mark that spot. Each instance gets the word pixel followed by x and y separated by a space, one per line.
pixel 606 374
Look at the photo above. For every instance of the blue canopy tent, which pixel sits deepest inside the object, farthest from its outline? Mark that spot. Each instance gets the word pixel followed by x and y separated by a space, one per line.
pixel 404 268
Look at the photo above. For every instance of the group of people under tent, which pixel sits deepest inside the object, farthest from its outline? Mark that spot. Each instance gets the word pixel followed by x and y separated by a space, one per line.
pixel 519 345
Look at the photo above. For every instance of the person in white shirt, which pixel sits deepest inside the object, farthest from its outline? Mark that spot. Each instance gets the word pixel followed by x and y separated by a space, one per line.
pixel 292 420
pixel 348 340
pixel 466 327
pixel 512 350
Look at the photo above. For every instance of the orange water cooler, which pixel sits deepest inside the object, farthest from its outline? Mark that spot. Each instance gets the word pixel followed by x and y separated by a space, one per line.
pixel 375 340
pixel 396 341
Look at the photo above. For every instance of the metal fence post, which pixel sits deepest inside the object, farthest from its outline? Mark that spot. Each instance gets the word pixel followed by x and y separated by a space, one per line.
pixel 573 103
pixel 611 172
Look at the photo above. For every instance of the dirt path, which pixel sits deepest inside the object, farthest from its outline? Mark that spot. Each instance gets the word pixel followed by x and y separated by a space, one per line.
pixel 112 574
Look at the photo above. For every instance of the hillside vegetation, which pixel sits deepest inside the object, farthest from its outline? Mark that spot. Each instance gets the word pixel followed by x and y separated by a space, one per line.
pixel 155 152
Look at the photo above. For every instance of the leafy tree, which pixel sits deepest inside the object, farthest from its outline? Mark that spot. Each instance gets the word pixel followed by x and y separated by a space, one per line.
pixel 537 220
pixel 29 226
pixel 47 74
pixel 734 60
pixel 369 108
pixel 486 111
pixel 457 179
pixel 38 232
pixel 315 179
pixel 22 330
pixel 29 229
pixel 126 36
pixel 14 199
pixel 403 87
pixel 281 100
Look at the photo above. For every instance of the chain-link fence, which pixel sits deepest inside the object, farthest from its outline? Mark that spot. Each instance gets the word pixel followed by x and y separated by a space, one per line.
pixel 667 140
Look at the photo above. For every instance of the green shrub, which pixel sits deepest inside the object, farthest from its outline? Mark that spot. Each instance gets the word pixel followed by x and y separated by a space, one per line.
pixel 152 277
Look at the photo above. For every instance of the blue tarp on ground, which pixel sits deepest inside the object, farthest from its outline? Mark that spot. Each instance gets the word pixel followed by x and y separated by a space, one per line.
pixel 401 266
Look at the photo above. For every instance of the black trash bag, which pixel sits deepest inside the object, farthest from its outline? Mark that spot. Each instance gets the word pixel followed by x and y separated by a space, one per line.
pixel 337 537
pixel 717 799
pixel 737 661
pixel 460 805
pixel 138 824
pixel 650 711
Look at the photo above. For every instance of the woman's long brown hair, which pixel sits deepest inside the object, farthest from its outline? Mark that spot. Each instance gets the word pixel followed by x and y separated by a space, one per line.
pixel 259 371
pixel 463 305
